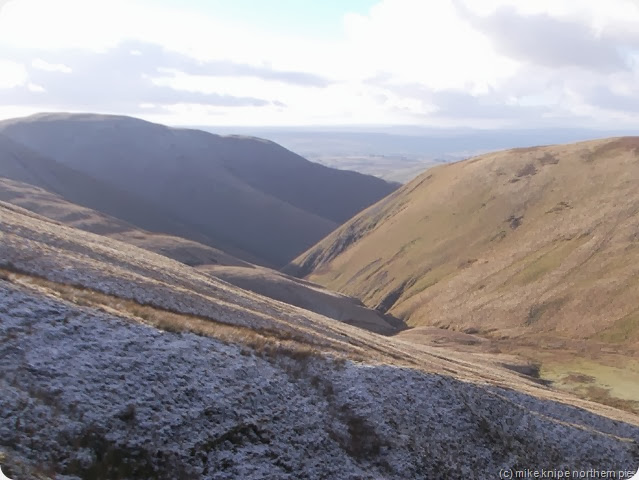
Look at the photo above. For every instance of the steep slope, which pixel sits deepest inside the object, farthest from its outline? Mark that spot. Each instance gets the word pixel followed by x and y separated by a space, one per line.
pixel 52 206
pixel 119 363
pixel 244 194
pixel 264 281
pixel 22 164
pixel 537 248
pixel 542 238
pixel 306 295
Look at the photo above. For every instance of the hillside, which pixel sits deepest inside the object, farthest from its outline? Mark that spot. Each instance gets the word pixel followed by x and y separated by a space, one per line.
pixel 264 281
pixel 248 197
pixel 536 248
pixel 306 295
pixel 118 362
pixel 54 207
pixel 22 164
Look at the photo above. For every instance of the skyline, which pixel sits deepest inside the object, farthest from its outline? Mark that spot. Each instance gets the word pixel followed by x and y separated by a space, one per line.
pixel 454 63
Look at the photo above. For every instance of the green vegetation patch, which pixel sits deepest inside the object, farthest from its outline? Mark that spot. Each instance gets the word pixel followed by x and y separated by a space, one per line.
pixel 604 383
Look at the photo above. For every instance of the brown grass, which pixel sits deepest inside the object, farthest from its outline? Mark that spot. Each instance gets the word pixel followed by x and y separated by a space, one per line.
pixel 563 232
pixel 264 342
pixel 602 395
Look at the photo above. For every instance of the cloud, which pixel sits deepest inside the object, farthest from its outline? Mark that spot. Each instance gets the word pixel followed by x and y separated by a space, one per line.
pixel 424 42
pixel 459 104
pixel 126 77
pixel 506 61
pixel 50 67
pixel 603 97
pixel 12 74
pixel 455 62
pixel 153 58
pixel 493 108
pixel 547 41
pixel 232 69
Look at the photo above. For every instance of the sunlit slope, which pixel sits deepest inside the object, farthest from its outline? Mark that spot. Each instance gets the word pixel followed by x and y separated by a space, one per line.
pixel 540 239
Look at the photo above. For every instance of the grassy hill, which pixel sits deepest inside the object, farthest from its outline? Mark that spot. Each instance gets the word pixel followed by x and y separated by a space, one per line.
pixel 216 263
pixel 248 197
pixel 158 370
pixel 536 243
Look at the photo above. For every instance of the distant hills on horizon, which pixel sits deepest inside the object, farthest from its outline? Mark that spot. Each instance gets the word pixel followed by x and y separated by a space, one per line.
pixel 415 141
pixel 400 153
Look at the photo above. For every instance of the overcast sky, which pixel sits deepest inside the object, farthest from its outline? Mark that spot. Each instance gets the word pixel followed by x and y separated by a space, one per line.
pixel 477 63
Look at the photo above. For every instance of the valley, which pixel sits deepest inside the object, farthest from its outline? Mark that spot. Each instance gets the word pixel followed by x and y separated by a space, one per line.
pixel 216 381
pixel 297 240
pixel 479 317
pixel 513 247
pixel 233 193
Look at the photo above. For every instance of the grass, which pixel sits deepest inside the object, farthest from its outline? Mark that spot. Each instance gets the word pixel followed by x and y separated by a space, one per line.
pixel 574 240
pixel 537 311
pixel 261 341
pixel 431 278
pixel 607 383
pixel 624 329
pixel 546 263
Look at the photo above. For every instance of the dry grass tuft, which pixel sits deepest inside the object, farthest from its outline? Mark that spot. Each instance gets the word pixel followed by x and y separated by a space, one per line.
pixel 264 342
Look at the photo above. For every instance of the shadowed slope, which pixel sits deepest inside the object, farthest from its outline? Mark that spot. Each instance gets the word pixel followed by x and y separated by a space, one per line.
pixel 56 208
pixel 22 164
pixel 305 295
pixel 264 281
pixel 242 194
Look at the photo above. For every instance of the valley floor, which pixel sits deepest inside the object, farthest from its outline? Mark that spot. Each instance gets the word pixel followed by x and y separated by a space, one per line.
pixel 591 370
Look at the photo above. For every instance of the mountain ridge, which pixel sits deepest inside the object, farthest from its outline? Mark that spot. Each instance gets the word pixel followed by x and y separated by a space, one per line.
pixel 248 197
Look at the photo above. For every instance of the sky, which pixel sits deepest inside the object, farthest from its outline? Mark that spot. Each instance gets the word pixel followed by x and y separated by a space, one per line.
pixel 436 63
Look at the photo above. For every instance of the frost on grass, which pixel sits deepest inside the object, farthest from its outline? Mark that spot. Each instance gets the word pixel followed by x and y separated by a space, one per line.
pixel 89 395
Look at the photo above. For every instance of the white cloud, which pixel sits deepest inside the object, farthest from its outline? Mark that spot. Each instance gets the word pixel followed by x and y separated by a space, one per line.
pixel 12 74
pixel 405 61
pixel 50 67
pixel 425 42
pixel 35 88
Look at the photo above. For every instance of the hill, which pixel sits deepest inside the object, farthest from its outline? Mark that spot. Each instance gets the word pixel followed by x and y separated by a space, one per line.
pixel 306 295
pixel 536 248
pixel 248 197
pixel 118 362
pixel 264 281
pixel 24 165
pixel 52 206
